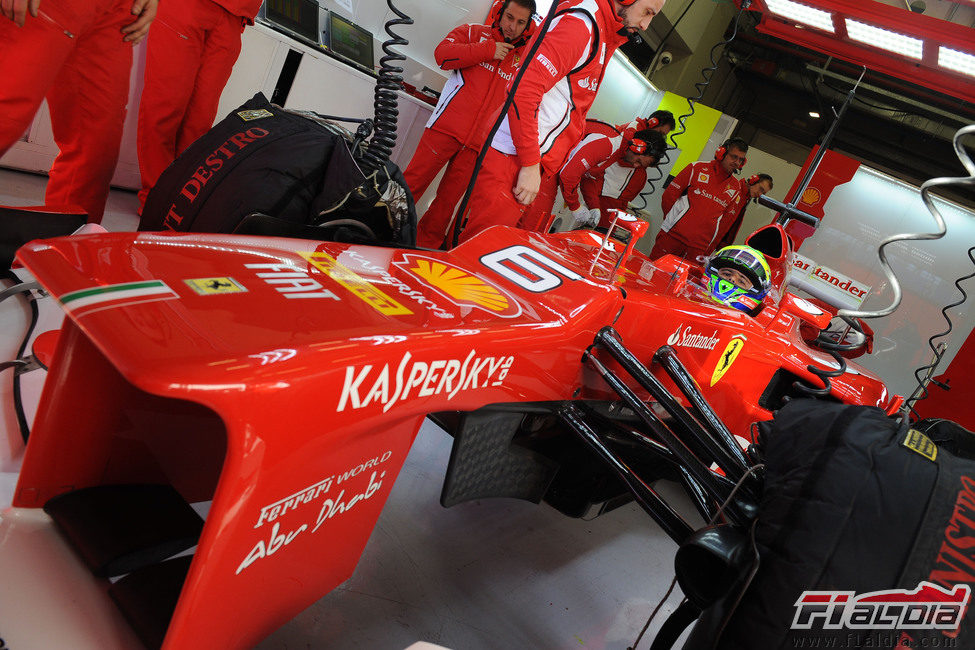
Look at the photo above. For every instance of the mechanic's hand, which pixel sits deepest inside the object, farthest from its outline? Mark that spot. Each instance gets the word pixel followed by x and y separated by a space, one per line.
pixel 501 50
pixel 592 220
pixel 527 184
pixel 136 31
pixel 16 10
pixel 583 217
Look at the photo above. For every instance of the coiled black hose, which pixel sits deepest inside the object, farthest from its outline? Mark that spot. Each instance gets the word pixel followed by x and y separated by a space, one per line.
pixel 706 74
pixel 824 375
pixel 385 103
pixel 664 159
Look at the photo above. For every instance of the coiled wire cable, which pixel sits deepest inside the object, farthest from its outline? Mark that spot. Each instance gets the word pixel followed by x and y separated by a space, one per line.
pixel 707 74
pixel 390 80
pixel 824 376
pixel 664 159
pixel 923 373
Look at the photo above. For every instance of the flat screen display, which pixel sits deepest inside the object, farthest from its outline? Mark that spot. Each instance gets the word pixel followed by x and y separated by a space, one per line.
pixel 347 39
pixel 297 16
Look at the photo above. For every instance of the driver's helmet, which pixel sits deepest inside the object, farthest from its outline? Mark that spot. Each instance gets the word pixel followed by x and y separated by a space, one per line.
pixel 727 272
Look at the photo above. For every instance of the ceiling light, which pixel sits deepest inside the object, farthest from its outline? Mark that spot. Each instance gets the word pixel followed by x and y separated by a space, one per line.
pixel 814 114
pixel 884 39
pixel 958 61
pixel 801 14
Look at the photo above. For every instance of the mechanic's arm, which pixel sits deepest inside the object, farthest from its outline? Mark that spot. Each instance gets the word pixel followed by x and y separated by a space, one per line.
pixel 145 10
pixel 592 189
pixel 607 203
pixel 458 51
pixel 560 50
pixel 17 10
pixel 675 189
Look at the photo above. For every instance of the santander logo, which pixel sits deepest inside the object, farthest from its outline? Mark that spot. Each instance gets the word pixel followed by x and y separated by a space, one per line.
pixel 683 337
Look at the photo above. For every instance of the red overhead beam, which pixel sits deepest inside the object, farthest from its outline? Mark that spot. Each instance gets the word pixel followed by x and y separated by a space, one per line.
pixel 932 31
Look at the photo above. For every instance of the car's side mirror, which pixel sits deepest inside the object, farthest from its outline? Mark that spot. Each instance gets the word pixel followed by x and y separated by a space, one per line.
pixel 805 311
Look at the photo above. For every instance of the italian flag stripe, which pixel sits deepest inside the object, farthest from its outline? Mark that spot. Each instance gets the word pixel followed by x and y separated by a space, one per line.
pixel 126 293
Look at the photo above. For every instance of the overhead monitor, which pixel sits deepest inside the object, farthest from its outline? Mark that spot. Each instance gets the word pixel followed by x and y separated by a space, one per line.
pixel 350 41
pixel 299 18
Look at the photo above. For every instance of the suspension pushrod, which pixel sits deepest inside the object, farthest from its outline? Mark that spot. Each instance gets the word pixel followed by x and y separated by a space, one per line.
pixel 705 507
pixel 676 370
pixel 636 439
pixel 718 487
pixel 718 442
pixel 648 499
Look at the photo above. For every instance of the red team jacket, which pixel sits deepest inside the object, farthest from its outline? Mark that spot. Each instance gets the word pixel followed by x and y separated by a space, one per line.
pixel 616 185
pixel 246 9
pixel 589 160
pixel 605 128
pixel 475 90
pixel 713 202
pixel 560 84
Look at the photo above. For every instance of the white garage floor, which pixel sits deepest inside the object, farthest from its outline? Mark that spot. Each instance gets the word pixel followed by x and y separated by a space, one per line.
pixel 481 575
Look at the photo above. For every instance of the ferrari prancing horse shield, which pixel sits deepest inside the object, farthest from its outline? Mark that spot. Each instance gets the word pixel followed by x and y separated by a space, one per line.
pixel 727 358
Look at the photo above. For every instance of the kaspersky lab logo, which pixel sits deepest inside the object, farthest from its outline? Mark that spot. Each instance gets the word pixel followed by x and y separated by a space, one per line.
pixel 928 607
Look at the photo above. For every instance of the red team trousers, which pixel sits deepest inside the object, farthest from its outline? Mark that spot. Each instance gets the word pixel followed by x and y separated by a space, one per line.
pixel 494 201
pixel 190 54
pixel 436 225
pixel 72 54
pixel 434 150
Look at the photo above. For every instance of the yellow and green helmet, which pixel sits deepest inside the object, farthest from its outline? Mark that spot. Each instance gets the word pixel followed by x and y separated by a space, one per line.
pixel 750 263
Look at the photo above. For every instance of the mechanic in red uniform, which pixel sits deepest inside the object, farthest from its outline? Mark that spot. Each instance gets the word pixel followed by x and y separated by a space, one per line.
pixel 701 203
pixel 189 57
pixel 547 117
pixel 610 171
pixel 538 215
pixel 77 54
pixel 752 187
pixel 482 58
pixel 661 121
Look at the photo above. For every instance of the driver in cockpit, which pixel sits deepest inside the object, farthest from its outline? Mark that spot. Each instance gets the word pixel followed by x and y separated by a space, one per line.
pixel 737 276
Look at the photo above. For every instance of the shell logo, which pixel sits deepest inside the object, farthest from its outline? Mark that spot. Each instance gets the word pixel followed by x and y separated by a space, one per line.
pixel 811 196
pixel 461 287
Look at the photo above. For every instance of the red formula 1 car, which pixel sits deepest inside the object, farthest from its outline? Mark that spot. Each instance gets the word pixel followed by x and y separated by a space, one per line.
pixel 285 380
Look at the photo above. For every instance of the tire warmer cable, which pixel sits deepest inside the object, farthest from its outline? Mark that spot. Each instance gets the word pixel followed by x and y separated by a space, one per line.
pixel 19 364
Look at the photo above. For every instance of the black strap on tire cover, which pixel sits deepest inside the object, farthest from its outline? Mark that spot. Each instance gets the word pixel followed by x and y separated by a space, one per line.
pixel 945 553
pixel 685 614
